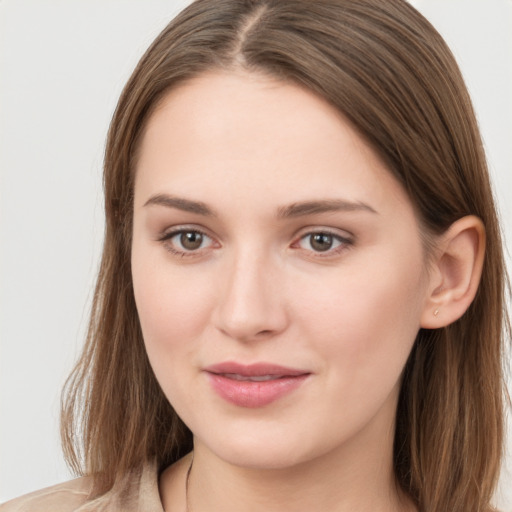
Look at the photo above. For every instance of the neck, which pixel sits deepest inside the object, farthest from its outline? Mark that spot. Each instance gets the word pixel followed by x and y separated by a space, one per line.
pixel 342 480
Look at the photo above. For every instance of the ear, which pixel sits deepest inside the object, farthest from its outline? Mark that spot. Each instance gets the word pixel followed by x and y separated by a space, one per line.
pixel 455 273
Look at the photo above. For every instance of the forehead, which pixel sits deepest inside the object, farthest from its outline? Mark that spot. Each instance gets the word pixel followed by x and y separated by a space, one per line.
pixel 242 133
pixel 229 106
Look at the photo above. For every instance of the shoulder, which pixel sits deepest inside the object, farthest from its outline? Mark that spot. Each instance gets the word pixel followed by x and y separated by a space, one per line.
pixel 65 497
pixel 134 491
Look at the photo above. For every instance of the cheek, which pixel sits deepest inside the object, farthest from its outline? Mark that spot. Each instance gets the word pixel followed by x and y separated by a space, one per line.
pixel 173 306
pixel 173 310
pixel 365 322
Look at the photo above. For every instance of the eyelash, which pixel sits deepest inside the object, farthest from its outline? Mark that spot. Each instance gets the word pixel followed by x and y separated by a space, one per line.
pixel 167 237
pixel 344 243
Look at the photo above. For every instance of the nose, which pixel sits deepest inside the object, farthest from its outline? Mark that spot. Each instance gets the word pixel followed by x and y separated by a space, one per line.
pixel 251 305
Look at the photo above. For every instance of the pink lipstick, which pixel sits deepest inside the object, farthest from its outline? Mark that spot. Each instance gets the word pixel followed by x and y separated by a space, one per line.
pixel 254 385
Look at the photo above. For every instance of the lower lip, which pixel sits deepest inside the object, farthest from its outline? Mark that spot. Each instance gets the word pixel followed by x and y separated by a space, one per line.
pixel 245 393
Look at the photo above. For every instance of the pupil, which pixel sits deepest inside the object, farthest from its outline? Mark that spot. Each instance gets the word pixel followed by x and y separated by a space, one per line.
pixel 321 242
pixel 191 240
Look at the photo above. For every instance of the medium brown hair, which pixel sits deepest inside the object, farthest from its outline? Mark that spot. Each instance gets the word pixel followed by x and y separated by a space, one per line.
pixel 388 71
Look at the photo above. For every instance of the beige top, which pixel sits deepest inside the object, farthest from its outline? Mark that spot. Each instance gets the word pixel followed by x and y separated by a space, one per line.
pixel 137 492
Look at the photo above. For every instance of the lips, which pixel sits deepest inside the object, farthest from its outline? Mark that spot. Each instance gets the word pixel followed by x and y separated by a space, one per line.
pixel 254 385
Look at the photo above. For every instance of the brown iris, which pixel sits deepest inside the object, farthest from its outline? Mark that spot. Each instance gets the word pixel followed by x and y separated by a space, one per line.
pixel 321 241
pixel 191 240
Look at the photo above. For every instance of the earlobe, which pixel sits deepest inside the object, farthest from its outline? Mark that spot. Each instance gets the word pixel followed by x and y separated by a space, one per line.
pixel 456 273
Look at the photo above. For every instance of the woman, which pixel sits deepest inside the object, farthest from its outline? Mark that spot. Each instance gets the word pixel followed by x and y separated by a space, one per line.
pixel 300 303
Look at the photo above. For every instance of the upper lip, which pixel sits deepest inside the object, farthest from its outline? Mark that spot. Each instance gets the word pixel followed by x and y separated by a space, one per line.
pixel 254 370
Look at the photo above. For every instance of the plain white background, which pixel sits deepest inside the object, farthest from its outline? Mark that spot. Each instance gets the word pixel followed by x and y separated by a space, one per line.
pixel 62 66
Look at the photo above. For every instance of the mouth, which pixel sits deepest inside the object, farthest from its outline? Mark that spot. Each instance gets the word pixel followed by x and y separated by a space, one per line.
pixel 254 385
pixel 255 378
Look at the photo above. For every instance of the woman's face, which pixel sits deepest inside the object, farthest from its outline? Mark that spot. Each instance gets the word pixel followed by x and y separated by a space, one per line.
pixel 278 272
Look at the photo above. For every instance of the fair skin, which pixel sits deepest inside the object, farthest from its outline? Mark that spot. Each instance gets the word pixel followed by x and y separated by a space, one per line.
pixel 267 231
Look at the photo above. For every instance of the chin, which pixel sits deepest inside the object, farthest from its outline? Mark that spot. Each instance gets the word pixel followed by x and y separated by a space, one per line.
pixel 266 451
pixel 268 458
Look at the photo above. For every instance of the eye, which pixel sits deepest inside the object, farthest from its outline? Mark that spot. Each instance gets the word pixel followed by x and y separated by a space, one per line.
pixel 185 242
pixel 323 242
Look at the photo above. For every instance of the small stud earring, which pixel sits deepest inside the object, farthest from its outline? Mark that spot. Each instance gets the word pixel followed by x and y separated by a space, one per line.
pixel 436 312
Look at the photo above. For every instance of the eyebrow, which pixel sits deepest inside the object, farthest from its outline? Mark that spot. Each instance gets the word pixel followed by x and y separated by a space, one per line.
pixel 293 210
pixel 180 203
pixel 323 206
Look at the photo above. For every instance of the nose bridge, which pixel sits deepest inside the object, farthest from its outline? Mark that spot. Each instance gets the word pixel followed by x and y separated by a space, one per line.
pixel 250 305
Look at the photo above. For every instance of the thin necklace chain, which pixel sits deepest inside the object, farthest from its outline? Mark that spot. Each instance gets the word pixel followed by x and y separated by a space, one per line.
pixel 187 508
